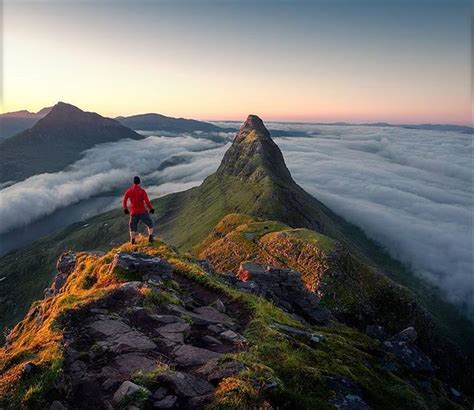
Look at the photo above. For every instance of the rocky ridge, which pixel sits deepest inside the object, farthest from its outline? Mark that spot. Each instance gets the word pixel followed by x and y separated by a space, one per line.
pixel 148 327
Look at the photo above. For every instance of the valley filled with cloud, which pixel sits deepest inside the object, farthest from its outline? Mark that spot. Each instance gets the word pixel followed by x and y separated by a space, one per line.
pixel 411 190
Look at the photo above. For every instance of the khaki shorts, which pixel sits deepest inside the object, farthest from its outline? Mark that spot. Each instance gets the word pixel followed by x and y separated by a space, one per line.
pixel 145 218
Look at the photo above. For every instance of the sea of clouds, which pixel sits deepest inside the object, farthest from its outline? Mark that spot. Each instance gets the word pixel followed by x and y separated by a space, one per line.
pixel 411 190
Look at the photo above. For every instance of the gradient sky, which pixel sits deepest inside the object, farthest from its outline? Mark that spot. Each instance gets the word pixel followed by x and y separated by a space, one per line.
pixel 321 60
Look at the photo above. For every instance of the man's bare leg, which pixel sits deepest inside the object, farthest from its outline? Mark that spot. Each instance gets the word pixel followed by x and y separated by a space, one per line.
pixel 133 235
pixel 150 235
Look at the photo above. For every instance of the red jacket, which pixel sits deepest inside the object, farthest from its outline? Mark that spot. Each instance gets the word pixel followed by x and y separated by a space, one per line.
pixel 138 199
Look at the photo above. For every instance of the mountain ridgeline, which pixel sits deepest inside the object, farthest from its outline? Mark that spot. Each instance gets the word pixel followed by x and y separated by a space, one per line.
pixel 56 141
pixel 159 122
pixel 251 210
pixel 12 123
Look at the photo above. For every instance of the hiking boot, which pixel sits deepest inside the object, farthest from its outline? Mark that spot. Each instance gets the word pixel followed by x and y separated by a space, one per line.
pixel 132 241
pixel 150 239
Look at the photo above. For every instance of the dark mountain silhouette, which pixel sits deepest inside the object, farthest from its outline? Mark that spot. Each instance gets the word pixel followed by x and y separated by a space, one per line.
pixel 56 141
pixel 158 122
pixel 12 123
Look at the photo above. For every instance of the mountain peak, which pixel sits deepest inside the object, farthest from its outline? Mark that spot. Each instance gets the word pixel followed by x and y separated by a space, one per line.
pixel 253 154
pixel 253 121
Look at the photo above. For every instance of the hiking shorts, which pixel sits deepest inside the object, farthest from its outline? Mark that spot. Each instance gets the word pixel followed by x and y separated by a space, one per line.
pixel 145 218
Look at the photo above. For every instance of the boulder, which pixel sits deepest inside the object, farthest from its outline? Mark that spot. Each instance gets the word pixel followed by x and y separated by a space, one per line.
pixel 127 342
pixel 376 332
pixel 219 306
pixel 160 393
pixel 66 263
pixel 133 285
pixel 167 319
pixel 199 402
pixel 284 288
pixel 110 326
pixel 412 357
pixel 57 405
pixel 127 389
pixel 215 370
pixel 129 363
pixel 212 315
pixel 188 355
pixel 232 336
pixel 167 403
pixel 143 265
pixel 185 384
pixel 408 335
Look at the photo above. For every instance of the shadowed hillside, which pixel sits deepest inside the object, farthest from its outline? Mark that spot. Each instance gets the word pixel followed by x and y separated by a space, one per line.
pixel 56 141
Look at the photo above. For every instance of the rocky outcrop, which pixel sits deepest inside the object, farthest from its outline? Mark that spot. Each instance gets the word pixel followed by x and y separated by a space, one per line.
pixel 65 266
pixel 283 287
pixel 141 265
pixel 111 342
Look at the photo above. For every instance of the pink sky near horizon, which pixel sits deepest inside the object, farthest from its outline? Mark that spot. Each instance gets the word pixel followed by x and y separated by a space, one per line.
pixel 307 63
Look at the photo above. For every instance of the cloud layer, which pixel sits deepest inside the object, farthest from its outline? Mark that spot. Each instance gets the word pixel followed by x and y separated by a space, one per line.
pixel 410 190
pixel 108 167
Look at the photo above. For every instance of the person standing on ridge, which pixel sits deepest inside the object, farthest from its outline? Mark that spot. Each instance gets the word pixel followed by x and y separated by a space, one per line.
pixel 138 199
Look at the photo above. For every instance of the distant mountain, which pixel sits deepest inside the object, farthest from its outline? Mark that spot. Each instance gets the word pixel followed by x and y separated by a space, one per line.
pixel 441 127
pixel 12 123
pixel 56 141
pixel 158 122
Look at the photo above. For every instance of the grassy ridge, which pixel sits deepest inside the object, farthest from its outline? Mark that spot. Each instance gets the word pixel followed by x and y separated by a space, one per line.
pixel 299 370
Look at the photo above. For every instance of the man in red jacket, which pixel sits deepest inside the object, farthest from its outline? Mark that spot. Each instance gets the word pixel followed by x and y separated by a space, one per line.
pixel 138 199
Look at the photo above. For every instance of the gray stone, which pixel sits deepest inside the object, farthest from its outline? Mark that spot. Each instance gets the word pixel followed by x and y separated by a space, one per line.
pixel 126 342
pixel 78 369
pixel 133 285
pixel 160 393
pixel 219 305
pixel 212 341
pixel 57 405
pixel 167 403
pixel 185 384
pixel 232 336
pixel 129 363
pixel 188 355
pixel 200 401
pixel 175 328
pixel 174 337
pixel 214 370
pixel 111 384
pixel 109 327
pixel 217 328
pixel 126 389
pixel 407 335
pixel 212 315
pixel 410 355
pixel 167 319
pixel 143 265
pixel 376 332
pixel 66 263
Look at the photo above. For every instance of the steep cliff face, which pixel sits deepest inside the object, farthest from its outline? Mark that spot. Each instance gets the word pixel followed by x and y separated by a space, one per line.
pixel 146 326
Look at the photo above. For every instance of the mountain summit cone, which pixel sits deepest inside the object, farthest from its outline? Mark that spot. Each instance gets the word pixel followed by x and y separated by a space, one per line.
pixel 253 154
